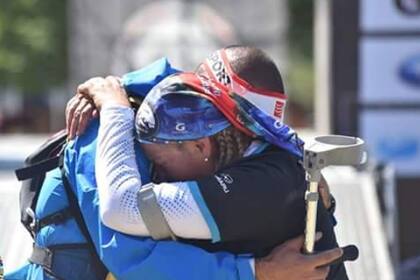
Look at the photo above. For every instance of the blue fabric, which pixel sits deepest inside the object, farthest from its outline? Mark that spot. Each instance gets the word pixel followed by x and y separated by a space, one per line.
pixel 205 211
pixel 140 82
pixel 53 198
pixel 67 264
pixel 183 108
pixel 270 129
pixel 27 272
pixel 127 257
pixel 173 112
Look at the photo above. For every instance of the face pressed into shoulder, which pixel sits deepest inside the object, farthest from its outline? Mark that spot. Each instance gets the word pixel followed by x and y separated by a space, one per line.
pixel 184 161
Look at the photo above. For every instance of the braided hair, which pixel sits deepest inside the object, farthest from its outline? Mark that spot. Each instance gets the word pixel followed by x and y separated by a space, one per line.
pixel 258 69
pixel 230 145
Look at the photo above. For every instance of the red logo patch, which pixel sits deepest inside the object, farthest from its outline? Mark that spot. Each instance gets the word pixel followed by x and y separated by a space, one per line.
pixel 278 109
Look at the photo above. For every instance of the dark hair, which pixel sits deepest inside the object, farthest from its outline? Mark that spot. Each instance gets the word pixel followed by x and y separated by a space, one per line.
pixel 230 144
pixel 258 69
pixel 255 66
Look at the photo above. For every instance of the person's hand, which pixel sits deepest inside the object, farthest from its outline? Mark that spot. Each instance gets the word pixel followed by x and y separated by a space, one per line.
pixel 89 98
pixel 287 262
pixel 324 192
pixel 79 111
pixel 104 91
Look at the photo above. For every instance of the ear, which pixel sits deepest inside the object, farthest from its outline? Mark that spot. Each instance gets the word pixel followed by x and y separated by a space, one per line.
pixel 204 146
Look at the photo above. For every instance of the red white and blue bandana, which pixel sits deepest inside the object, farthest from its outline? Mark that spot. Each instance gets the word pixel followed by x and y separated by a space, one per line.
pixel 188 106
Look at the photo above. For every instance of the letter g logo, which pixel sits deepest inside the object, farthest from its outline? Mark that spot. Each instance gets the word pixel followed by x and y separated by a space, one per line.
pixel 180 127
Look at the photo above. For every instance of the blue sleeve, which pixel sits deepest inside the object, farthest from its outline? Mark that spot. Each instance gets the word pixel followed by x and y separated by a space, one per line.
pixel 141 81
pixel 129 257
pixel 172 260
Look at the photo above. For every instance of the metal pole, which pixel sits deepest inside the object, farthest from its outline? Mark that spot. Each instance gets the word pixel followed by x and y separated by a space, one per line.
pixel 1 269
pixel 311 198
pixel 320 153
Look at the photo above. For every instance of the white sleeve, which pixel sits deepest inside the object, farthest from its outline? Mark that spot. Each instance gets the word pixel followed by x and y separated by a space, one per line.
pixel 119 180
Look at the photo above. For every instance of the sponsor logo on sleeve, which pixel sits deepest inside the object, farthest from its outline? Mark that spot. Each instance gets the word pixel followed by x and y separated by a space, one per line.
pixel 224 181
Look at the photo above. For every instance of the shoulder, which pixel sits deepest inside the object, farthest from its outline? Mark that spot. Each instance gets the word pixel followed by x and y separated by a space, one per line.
pixel 272 162
pixel 273 171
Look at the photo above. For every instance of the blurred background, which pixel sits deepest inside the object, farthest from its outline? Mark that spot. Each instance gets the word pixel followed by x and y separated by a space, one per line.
pixel 350 67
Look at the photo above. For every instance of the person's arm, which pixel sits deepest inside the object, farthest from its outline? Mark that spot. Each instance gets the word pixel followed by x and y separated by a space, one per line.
pixel 287 262
pixel 129 257
pixel 190 207
pixel 119 181
pixel 172 260
pixel 117 174
pixel 133 258
pixel 220 265
pixel 80 111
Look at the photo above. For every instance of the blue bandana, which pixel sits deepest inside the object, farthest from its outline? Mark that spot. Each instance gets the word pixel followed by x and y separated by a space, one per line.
pixel 185 106
pixel 172 111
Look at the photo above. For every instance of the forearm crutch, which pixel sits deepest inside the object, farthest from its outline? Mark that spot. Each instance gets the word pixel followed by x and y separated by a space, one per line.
pixel 324 151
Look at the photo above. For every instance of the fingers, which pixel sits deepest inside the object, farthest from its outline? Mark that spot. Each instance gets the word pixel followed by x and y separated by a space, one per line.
pixel 85 116
pixel 321 273
pixel 88 101
pixel 318 236
pixel 74 122
pixel 114 81
pixel 70 108
pixel 99 81
pixel 95 113
pixel 104 90
pixel 297 242
pixel 324 191
pixel 326 257
pixel 85 89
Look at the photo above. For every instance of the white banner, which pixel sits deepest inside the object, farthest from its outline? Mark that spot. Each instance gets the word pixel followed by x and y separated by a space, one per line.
pixel 389 70
pixel 393 137
pixel 390 15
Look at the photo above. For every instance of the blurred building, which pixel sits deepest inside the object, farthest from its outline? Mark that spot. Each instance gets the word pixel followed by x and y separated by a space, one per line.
pixel 118 36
